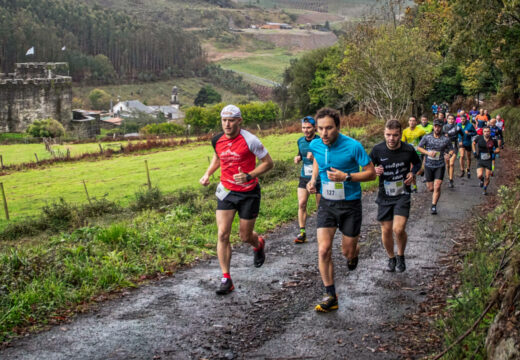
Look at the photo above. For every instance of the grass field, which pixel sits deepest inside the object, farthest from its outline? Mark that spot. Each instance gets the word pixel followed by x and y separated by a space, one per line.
pixel 267 64
pixel 158 93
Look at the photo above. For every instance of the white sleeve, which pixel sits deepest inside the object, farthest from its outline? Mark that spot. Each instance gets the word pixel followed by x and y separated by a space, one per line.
pixel 254 144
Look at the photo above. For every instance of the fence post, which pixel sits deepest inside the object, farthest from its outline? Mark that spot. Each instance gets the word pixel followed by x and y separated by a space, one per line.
pixel 2 161
pixel 100 148
pixel 6 210
pixel 148 174
pixel 86 192
pixel 36 156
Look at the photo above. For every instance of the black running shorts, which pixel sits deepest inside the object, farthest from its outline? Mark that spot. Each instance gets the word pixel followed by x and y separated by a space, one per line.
pixel 386 211
pixel 434 173
pixel 344 214
pixel 467 148
pixel 487 164
pixel 304 181
pixel 246 203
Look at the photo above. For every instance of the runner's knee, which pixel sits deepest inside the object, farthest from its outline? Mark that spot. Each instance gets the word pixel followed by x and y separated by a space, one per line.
pixel 325 252
pixel 399 232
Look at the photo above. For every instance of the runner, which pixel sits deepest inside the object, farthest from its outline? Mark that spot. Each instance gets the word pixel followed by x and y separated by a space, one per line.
pixel 309 131
pixel 501 125
pixel 236 151
pixel 484 147
pixel 412 135
pixel 445 108
pixel 473 114
pixel 452 131
pixel 435 109
pixel 337 160
pixel 437 149
pixel 441 117
pixel 481 119
pixel 425 125
pixel 465 139
pixel 393 160
pixel 496 134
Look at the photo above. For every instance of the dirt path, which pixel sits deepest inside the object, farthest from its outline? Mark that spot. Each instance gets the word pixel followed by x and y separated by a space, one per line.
pixel 270 315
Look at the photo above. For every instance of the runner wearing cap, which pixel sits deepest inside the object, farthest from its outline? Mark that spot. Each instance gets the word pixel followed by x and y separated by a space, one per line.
pixel 236 151
pixel 305 156
pixel 484 149
pixel 337 162
pixel 438 150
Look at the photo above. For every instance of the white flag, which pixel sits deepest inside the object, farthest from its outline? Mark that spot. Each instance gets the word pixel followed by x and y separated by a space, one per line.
pixel 63 48
pixel 30 51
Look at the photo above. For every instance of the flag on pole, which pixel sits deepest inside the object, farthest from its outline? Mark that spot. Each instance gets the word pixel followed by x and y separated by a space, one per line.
pixel 63 48
pixel 30 51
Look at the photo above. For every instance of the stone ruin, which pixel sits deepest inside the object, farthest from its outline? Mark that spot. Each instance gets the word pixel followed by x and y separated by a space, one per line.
pixel 33 92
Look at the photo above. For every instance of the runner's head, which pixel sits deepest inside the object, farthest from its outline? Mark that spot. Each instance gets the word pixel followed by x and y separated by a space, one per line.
pixel 486 131
pixel 441 115
pixel 485 112
pixel 424 120
pixel 231 118
pixel 393 134
pixel 308 127
pixel 327 121
pixel 437 127
pixel 499 117
pixel 463 120
pixel 412 122
pixel 493 122
pixel 481 111
pixel 451 119
pixel 474 108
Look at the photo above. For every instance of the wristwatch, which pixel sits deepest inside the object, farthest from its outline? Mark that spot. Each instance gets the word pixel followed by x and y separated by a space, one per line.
pixel 249 177
pixel 348 178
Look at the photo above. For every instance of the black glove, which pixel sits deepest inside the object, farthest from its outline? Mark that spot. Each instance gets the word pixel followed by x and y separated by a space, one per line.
pixel 475 155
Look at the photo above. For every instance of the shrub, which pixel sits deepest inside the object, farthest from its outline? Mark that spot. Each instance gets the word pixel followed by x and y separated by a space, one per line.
pixel 163 129
pixel 148 199
pixel 99 99
pixel 207 95
pixel 46 128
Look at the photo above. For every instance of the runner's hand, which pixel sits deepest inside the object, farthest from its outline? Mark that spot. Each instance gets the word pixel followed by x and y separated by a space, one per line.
pixel 204 180
pixel 447 157
pixel 431 153
pixel 409 178
pixel 311 187
pixel 310 156
pixel 297 159
pixel 241 177
pixel 379 170
pixel 336 175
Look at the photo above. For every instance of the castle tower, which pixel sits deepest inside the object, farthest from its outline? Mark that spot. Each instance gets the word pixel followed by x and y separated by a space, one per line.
pixel 175 98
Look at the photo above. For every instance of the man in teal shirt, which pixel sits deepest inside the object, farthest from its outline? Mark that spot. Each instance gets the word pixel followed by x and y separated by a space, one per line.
pixel 337 162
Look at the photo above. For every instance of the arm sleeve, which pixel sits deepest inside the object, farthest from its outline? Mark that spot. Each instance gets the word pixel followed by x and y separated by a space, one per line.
pixel 254 144
pixel 374 157
pixel 362 157
pixel 422 142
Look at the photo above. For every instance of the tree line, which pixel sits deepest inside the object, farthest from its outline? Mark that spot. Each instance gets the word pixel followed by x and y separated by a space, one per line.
pixel 391 65
pixel 99 44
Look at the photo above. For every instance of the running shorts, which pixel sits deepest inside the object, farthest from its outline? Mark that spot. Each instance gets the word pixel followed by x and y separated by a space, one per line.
pixel 386 211
pixel 434 173
pixel 343 214
pixel 304 181
pixel 246 203
pixel 487 164
pixel 467 148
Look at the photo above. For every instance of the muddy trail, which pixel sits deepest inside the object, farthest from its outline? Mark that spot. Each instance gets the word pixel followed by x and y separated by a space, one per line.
pixel 271 313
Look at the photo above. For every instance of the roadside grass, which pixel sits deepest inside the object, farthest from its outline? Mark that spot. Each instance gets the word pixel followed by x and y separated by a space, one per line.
pixel 158 93
pixel 494 233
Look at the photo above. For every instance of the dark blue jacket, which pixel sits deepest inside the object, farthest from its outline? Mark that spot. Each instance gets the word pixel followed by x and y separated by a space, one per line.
pixel 466 138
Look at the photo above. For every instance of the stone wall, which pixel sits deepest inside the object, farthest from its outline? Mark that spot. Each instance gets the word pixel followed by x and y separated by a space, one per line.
pixel 33 92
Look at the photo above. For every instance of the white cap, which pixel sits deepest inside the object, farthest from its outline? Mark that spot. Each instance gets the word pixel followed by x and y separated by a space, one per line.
pixel 230 111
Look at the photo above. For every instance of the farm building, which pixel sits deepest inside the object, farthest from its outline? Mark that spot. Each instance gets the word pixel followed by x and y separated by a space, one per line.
pixel 276 26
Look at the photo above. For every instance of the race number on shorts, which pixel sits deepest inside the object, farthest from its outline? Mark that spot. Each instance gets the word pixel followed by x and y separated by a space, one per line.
pixel 485 156
pixel 221 192
pixel 333 190
pixel 394 188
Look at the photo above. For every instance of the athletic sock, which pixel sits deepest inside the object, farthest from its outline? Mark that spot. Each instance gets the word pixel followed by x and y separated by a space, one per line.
pixel 331 290
pixel 261 246
pixel 485 187
pixel 302 230
pixel 226 276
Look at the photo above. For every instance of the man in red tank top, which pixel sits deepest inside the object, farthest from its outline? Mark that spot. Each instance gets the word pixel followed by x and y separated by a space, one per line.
pixel 236 151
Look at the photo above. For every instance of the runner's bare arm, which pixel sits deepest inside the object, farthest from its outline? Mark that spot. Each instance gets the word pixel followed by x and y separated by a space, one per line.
pixel 311 185
pixel 266 164
pixel 213 166
pixel 368 174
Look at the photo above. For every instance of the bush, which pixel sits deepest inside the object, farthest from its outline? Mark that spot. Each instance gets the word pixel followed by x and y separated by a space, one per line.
pixel 46 128
pixel 148 199
pixel 163 129
pixel 99 99
pixel 207 95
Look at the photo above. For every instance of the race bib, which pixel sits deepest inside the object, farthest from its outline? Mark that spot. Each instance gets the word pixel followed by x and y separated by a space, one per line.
pixel 394 188
pixel 485 156
pixel 307 170
pixel 221 192
pixel 436 157
pixel 333 190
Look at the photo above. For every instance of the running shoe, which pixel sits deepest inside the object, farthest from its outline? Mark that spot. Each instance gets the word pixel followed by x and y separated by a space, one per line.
pixel 391 264
pixel 484 192
pixel 226 286
pixel 259 254
pixel 434 210
pixel 301 238
pixel 401 266
pixel 414 188
pixel 423 180
pixel 461 173
pixel 481 182
pixel 328 304
pixel 469 174
pixel 450 184
pixel 352 263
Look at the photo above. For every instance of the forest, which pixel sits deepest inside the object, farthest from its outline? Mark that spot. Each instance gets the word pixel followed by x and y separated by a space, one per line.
pixel 100 44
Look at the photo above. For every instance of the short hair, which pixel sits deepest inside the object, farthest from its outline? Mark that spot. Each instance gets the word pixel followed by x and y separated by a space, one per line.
pixel 485 127
pixel 424 117
pixel 393 124
pixel 323 112
pixel 451 116
pixel 412 117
